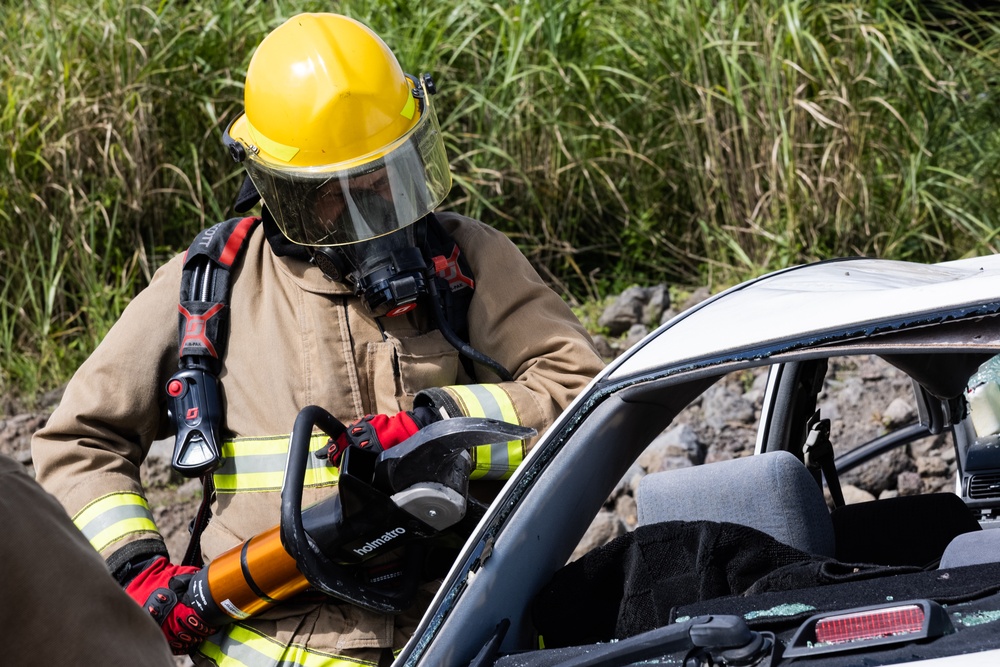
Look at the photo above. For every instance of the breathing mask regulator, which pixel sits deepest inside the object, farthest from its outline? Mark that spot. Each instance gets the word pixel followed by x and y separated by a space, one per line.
pixel 388 273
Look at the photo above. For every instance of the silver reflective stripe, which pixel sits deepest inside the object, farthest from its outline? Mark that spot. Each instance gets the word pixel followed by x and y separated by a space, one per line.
pixel 241 646
pixel 113 516
pixel 258 464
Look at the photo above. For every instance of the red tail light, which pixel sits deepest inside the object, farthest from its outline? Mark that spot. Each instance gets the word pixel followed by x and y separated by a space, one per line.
pixel 859 628
pixel 889 622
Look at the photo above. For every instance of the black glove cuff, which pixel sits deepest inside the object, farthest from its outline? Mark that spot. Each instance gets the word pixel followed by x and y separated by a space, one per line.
pixel 439 401
pixel 424 415
pixel 135 557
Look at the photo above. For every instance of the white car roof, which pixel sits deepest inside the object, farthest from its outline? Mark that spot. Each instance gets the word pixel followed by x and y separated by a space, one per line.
pixel 827 298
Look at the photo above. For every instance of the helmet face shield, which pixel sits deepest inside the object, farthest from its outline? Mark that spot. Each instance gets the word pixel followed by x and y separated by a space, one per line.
pixel 360 199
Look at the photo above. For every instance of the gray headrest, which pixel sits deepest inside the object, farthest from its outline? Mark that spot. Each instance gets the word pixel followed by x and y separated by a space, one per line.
pixel 771 492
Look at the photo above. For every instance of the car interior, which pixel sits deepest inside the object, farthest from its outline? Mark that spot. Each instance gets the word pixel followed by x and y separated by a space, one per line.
pixel 787 490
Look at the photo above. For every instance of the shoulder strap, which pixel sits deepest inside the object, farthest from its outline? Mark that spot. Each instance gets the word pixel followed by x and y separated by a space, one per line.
pixel 195 401
pixel 204 302
pixel 193 392
pixel 451 268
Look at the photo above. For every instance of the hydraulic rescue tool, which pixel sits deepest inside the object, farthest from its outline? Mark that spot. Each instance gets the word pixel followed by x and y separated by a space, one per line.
pixel 407 498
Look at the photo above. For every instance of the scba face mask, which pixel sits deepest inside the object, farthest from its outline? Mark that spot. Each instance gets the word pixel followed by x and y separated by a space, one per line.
pixel 387 272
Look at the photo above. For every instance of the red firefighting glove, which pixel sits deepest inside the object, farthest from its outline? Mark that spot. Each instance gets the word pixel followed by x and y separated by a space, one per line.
pixel 380 431
pixel 161 588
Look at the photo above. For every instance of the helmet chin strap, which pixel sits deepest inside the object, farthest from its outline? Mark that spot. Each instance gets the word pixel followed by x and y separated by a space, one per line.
pixel 387 272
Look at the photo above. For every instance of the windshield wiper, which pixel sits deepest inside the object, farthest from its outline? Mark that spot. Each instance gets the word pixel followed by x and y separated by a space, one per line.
pixel 718 640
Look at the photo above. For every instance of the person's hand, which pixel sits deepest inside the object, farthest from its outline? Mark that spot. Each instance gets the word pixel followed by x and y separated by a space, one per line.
pixel 379 431
pixel 161 589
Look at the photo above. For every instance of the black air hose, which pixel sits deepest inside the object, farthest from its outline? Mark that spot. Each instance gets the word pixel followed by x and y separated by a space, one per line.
pixel 463 348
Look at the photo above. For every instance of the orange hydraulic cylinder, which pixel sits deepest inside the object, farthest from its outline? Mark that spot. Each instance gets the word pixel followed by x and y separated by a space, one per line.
pixel 254 575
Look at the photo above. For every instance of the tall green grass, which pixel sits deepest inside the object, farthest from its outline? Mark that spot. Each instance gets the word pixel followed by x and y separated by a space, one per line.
pixel 684 140
pixel 679 139
pixel 813 130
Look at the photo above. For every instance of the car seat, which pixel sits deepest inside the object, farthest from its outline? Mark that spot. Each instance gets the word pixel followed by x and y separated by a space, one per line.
pixel 772 492
pixel 972 548
pixel 903 531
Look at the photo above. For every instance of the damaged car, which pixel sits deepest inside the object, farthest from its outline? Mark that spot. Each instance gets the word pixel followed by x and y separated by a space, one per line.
pixel 758 559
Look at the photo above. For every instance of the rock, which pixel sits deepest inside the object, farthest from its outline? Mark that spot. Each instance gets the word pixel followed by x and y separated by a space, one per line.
pixel 629 481
pixel 899 413
pixel 156 472
pixel 658 301
pixel 668 315
pixel 695 298
pixel 853 494
pixel 731 444
pixel 908 484
pixel 624 311
pixel 932 466
pixel 634 306
pixel 626 509
pixel 939 484
pixel 881 473
pixel 672 463
pixel 756 392
pixel 605 527
pixel 635 334
pixel 726 404
pixel 933 446
pixel 670 448
pixel 850 391
pixel 604 348
pixel 15 435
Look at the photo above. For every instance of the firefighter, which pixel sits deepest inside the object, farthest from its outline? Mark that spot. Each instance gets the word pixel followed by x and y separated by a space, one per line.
pixel 44 556
pixel 328 306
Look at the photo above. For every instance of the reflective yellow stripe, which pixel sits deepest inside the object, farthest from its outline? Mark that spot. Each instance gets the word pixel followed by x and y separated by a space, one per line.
pixel 113 517
pixel 409 108
pixel 275 148
pixel 240 646
pixel 515 448
pixel 489 400
pixel 258 464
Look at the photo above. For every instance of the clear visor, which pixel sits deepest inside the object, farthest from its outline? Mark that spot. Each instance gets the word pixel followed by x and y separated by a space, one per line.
pixel 346 203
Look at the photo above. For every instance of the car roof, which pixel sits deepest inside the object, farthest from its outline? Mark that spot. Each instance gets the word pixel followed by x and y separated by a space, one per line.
pixel 817 304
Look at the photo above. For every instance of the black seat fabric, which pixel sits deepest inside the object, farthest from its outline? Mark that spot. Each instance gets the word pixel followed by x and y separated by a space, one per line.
pixel 908 530
pixel 634 583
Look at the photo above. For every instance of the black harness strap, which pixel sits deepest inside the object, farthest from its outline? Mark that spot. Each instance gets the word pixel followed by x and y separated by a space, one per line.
pixel 195 400
pixel 204 314
pixel 452 294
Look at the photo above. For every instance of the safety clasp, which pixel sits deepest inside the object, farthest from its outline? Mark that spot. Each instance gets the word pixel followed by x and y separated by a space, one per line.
pixel 195 409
